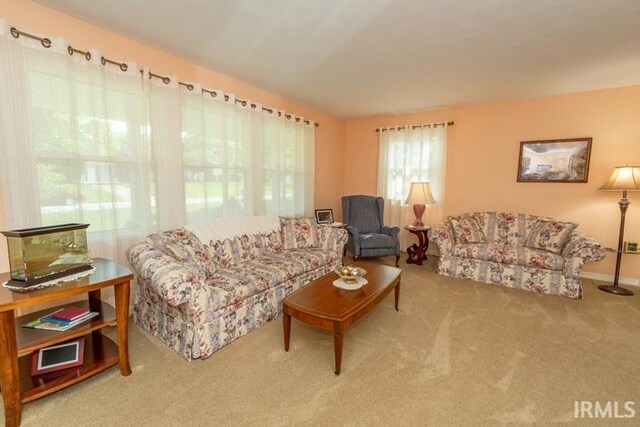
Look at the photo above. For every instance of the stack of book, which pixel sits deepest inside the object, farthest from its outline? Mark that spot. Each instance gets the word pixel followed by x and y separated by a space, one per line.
pixel 62 319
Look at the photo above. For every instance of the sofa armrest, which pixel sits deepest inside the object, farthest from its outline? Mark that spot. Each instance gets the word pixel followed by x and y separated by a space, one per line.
pixel 332 238
pixel 354 239
pixel 579 249
pixel 172 281
pixel 583 246
pixel 443 236
pixel 390 231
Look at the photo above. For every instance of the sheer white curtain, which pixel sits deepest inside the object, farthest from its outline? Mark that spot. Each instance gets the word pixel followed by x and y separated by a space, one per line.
pixel 408 155
pixel 131 154
pixel 216 139
pixel 243 160
pixel 285 167
pixel 71 149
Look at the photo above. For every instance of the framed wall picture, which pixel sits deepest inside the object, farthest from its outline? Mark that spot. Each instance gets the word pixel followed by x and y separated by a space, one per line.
pixel 557 160
pixel 324 216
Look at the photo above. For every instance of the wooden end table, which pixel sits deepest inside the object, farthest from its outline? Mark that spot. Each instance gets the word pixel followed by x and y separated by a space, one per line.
pixel 418 253
pixel 17 344
pixel 325 306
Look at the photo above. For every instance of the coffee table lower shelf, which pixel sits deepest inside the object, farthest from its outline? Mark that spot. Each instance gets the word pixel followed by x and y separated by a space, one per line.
pixel 100 353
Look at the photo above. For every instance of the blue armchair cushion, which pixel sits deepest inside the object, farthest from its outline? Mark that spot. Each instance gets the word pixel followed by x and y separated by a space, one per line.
pixel 374 240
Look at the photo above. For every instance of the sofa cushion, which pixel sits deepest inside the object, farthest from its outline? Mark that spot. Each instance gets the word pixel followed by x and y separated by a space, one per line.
pixel 550 235
pixel 506 254
pixel 467 230
pixel 299 233
pixel 237 282
pixel 374 240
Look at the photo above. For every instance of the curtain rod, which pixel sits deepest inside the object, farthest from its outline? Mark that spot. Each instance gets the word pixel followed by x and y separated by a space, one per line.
pixel 428 125
pixel 46 42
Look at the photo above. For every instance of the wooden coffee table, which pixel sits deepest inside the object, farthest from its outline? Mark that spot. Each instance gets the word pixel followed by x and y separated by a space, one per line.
pixel 325 306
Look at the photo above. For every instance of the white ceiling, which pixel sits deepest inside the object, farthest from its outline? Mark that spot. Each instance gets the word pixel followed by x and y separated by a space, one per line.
pixel 356 58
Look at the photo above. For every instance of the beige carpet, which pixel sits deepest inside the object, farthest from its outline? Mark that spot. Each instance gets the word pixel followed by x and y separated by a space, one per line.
pixel 457 353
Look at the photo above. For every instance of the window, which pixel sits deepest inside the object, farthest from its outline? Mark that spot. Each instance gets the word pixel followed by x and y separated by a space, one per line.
pixel 408 155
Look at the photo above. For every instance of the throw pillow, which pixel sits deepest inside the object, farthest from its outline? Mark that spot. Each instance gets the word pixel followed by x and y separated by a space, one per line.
pixel 186 248
pixel 271 243
pixel 550 235
pixel 467 230
pixel 221 253
pixel 299 233
pixel 248 247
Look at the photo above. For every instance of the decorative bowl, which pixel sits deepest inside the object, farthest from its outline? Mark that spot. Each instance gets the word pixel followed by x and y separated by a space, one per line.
pixel 350 272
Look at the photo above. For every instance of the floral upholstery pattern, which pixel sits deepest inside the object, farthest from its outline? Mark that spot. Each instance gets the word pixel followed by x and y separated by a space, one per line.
pixel 466 230
pixel 198 314
pixel 505 260
pixel 222 253
pixel 185 247
pixel 550 235
pixel 519 255
pixel 271 242
pixel 173 282
pixel 299 233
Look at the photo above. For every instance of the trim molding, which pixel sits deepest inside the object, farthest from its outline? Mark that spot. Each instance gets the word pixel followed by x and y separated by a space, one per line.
pixel 608 278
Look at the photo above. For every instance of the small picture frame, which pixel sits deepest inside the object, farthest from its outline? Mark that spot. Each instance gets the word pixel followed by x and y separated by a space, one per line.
pixel 58 357
pixel 324 216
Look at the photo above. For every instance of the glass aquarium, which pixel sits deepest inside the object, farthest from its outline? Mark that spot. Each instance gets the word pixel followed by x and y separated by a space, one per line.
pixel 41 254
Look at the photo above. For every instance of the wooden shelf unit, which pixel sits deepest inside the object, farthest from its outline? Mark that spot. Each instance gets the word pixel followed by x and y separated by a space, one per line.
pixel 17 343
pixel 29 340
pixel 100 353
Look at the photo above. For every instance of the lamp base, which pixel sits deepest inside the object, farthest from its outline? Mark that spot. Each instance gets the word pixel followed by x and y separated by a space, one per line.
pixel 418 210
pixel 615 289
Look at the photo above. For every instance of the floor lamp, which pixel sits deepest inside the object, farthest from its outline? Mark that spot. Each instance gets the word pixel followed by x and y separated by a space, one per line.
pixel 625 178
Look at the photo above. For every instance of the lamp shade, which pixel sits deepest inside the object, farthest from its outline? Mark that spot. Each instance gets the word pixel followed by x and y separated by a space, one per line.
pixel 420 194
pixel 623 178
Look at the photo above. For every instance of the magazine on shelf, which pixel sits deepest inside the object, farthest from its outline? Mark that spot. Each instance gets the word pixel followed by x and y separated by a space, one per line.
pixel 50 323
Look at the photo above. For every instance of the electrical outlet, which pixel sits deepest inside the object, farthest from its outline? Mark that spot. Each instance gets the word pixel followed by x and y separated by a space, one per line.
pixel 631 247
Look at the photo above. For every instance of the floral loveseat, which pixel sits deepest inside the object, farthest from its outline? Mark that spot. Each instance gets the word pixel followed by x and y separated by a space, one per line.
pixel 515 250
pixel 198 297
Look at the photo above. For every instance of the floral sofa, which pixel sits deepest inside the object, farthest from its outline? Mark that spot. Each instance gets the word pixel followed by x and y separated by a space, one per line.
pixel 197 297
pixel 515 250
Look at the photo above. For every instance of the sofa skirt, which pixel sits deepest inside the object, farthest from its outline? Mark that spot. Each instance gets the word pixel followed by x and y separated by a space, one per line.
pixel 512 276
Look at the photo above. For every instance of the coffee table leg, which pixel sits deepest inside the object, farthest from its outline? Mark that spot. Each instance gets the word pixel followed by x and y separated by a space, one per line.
pixel 337 348
pixel 397 292
pixel 286 321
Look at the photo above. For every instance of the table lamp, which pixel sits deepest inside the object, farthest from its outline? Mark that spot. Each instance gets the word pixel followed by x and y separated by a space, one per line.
pixel 625 178
pixel 419 196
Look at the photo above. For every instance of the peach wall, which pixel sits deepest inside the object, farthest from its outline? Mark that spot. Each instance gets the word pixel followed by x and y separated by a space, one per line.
pixel 482 156
pixel 32 17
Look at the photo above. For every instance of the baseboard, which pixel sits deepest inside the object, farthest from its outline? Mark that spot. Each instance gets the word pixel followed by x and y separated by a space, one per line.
pixel 607 278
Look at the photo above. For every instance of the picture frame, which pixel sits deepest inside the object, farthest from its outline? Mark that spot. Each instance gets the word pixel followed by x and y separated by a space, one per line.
pixel 324 216
pixel 58 357
pixel 555 160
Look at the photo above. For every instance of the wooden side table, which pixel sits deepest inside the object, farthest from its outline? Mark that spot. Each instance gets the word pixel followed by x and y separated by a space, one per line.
pixel 418 253
pixel 17 343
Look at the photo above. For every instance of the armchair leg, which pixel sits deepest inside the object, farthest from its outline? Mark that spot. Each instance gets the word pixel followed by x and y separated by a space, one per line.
pixel 344 252
pixel 397 260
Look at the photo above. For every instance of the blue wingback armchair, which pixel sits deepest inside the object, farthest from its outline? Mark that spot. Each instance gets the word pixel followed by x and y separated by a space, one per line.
pixel 368 237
